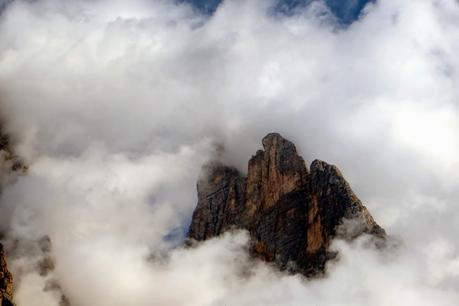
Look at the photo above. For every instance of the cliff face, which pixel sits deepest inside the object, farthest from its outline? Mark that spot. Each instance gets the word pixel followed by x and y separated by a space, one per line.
pixel 6 281
pixel 291 213
pixel 10 167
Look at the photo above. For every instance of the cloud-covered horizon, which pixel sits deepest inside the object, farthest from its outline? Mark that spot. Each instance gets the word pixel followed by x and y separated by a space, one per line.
pixel 115 105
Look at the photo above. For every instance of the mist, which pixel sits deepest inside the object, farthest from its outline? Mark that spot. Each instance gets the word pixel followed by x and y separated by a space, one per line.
pixel 116 105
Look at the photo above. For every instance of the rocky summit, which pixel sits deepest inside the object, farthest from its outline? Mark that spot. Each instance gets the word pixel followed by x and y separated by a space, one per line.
pixel 291 213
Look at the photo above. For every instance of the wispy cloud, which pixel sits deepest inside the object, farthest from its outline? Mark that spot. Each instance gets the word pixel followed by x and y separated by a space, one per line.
pixel 115 105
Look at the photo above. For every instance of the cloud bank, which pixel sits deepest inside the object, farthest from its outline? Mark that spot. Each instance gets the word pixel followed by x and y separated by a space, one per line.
pixel 115 105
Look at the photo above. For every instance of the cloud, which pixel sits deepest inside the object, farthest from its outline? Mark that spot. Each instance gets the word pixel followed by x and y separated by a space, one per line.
pixel 116 105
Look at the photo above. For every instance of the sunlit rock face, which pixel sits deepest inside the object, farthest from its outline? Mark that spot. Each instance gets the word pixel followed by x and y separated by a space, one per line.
pixel 291 213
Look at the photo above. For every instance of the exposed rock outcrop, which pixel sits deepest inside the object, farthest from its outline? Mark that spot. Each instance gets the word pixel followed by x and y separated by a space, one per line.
pixel 6 281
pixel 291 213
pixel 10 167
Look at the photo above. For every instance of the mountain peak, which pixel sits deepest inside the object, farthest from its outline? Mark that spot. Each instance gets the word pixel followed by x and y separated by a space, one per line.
pixel 291 214
pixel 275 139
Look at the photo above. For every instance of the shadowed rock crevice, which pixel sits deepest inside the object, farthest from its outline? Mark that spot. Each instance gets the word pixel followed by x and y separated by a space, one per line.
pixel 291 213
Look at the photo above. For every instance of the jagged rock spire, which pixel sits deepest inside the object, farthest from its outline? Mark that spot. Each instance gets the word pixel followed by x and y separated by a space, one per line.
pixel 291 213
pixel 273 172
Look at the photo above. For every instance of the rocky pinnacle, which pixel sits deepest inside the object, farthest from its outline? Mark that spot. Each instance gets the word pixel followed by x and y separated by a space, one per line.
pixel 291 213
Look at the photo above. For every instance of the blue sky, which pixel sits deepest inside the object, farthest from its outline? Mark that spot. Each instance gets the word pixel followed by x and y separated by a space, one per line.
pixel 346 11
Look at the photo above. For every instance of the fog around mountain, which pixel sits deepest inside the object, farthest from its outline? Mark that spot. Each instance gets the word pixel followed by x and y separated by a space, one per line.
pixel 115 105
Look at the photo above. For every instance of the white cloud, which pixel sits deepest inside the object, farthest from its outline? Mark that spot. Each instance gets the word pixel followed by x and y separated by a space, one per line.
pixel 117 104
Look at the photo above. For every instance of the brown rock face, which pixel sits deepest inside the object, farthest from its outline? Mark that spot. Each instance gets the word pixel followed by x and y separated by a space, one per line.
pixel 6 281
pixel 291 213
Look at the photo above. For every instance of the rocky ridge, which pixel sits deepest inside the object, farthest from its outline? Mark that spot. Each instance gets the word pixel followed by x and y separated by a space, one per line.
pixel 291 212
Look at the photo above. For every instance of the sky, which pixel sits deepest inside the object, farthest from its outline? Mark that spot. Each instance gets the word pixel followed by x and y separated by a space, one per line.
pixel 345 11
pixel 115 106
